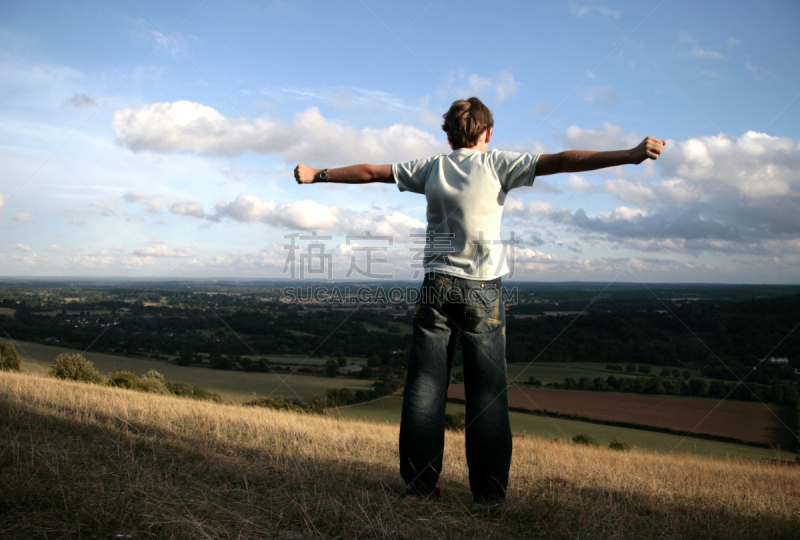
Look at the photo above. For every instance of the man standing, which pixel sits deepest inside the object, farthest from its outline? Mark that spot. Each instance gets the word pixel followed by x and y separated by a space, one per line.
pixel 461 293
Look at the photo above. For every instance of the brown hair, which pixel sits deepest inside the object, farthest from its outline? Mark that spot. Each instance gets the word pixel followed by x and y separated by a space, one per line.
pixel 465 121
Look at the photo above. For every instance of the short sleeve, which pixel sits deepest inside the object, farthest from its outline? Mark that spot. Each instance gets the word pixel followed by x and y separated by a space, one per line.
pixel 514 169
pixel 411 175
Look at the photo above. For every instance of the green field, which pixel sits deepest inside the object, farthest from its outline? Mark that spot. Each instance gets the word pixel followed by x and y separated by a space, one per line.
pixel 235 386
pixel 387 410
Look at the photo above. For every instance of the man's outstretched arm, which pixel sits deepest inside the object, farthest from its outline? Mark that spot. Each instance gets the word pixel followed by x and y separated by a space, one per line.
pixel 581 160
pixel 355 174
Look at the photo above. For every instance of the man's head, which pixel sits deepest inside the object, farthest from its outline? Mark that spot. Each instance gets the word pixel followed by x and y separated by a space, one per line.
pixel 466 121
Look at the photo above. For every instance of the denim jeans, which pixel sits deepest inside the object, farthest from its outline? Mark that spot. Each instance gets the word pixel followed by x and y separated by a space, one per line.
pixel 449 306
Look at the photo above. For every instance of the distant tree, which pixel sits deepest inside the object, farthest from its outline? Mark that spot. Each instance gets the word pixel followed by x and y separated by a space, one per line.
pixel 665 372
pixel 374 361
pixel 686 375
pixel 186 357
pixel 345 396
pixel 656 386
pixel 569 383
pixel 9 360
pixel 220 362
pixel 533 381
pixel 644 369
pixel 630 368
pixel 676 373
pixel 600 385
pixel 386 372
pixel 331 368
pixel 698 387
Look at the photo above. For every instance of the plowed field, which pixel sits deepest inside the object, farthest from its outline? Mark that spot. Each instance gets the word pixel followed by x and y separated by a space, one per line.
pixel 751 422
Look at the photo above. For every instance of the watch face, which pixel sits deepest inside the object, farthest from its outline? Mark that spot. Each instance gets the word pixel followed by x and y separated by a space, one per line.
pixel 323 175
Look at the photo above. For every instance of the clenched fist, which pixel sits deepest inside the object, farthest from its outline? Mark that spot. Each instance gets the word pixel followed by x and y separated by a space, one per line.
pixel 304 175
pixel 650 148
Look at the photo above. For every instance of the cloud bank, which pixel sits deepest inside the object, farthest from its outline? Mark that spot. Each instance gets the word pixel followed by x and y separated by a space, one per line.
pixel 184 126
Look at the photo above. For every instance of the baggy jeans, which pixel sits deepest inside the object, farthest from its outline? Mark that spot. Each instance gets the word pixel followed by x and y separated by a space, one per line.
pixel 449 306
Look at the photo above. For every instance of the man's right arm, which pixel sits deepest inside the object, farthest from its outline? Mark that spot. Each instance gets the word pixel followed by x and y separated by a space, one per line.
pixel 355 174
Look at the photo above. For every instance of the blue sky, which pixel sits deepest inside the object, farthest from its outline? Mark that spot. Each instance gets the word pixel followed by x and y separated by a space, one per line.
pixel 157 139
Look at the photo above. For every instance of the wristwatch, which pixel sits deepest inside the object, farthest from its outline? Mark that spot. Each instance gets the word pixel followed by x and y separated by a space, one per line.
pixel 323 176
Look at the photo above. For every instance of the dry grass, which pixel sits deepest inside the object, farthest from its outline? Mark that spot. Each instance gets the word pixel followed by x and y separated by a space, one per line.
pixel 80 460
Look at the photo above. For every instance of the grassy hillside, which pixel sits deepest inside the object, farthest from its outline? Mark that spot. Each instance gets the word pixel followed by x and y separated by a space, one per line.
pixel 87 461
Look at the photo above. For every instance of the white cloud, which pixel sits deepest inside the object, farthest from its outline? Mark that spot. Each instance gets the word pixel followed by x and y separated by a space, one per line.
pixel 678 190
pixel 620 213
pixel 305 214
pixel 577 183
pixel 608 137
pixel 21 247
pixel 631 192
pixel 3 199
pixel 134 196
pixel 154 205
pixel 23 217
pixel 695 50
pixel 755 164
pixel 162 250
pixel 757 72
pixel 579 10
pixel 698 52
pixel 396 225
pixel 498 87
pixel 310 138
pixel 502 84
pixel 188 209
pixel 602 96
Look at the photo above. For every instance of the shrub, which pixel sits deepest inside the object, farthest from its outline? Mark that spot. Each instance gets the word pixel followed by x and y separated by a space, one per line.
pixel 9 360
pixel 75 367
pixel 617 444
pixel 455 421
pixel 585 439
pixel 279 404
pixel 194 391
pixel 126 379
pixel 155 382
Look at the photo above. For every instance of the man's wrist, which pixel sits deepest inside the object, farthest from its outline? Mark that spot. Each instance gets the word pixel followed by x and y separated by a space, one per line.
pixel 321 176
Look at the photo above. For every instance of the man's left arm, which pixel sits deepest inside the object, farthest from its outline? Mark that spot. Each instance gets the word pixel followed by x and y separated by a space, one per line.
pixel 355 174
pixel 573 161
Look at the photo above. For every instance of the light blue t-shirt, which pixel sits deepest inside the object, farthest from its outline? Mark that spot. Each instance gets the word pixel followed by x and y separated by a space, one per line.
pixel 465 192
